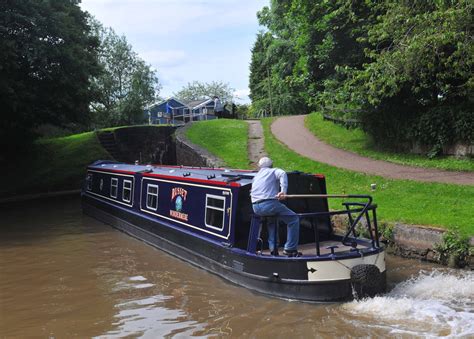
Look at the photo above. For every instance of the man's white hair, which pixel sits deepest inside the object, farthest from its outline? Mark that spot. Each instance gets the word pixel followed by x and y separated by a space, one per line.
pixel 265 162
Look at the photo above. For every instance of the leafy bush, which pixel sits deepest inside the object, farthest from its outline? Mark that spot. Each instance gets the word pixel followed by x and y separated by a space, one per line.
pixel 443 126
pixel 405 66
pixel 400 127
pixel 454 248
pixel 386 231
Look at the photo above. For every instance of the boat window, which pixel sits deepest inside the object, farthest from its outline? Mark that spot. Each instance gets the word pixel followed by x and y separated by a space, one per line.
pixel 89 181
pixel 114 187
pixel 152 197
pixel 127 191
pixel 215 212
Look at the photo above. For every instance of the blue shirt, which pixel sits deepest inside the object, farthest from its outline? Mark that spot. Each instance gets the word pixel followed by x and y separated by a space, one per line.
pixel 267 183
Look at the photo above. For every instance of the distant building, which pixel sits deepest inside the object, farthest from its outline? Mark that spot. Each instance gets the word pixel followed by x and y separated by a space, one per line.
pixel 176 111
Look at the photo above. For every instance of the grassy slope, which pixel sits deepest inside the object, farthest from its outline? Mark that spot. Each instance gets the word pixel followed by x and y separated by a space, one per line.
pixel 226 139
pixel 358 142
pixel 60 164
pixel 406 201
pixel 57 164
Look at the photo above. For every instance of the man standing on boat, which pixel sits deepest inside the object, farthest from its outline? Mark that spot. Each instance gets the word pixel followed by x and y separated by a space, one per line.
pixel 269 187
pixel 218 108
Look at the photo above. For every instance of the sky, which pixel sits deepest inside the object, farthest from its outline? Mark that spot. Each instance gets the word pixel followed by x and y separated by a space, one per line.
pixel 187 40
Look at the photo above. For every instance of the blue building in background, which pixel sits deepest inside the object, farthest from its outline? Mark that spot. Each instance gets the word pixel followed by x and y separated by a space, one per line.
pixel 174 111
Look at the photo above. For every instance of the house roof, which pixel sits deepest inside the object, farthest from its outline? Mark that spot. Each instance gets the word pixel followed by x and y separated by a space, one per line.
pixel 194 104
pixel 166 100
pixel 203 103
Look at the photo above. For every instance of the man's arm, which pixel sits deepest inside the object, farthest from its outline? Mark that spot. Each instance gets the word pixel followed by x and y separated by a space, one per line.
pixel 281 175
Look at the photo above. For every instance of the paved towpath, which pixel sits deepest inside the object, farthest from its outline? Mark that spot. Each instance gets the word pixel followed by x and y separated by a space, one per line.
pixel 255 142
pixel 291 131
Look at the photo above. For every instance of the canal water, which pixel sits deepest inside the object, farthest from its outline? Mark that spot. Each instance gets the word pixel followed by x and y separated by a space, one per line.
pixel 63 274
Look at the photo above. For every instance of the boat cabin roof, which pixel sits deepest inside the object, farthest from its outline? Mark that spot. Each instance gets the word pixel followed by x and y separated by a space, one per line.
pixel 186 173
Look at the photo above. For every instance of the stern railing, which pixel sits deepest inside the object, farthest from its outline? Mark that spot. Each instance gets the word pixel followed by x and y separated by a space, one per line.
pixel 354 210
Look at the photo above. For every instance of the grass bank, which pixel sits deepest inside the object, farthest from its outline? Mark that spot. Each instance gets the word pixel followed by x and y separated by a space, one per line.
pixel 225 138
pixel 355 140
pixel 431 204
pixel 53 164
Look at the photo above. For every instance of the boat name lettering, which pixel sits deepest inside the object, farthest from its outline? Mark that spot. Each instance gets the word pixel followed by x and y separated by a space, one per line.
pixel 179 215
pixel 178 191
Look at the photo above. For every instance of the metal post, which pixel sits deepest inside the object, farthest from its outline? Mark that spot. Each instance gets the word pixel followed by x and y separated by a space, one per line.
pixel 316 236
pixel 351 220
pixel 270 92
pixel 376 230
pixel 277 230
pixel 369 227
pixel 253 236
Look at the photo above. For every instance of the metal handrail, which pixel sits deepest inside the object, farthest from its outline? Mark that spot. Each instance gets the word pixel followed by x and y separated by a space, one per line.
pixel 363 210
pixel 345 196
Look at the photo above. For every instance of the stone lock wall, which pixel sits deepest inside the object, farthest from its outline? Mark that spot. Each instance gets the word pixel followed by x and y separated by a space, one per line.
pixel 165 145
pixel 147 144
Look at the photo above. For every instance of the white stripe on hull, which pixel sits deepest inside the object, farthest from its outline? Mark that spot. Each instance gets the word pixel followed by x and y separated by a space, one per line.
pixel 341 269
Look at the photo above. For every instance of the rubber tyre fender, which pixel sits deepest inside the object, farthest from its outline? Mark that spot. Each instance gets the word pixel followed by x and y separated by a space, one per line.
pixel 366 281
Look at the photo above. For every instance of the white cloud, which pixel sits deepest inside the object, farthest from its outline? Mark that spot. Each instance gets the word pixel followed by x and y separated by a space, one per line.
pixel 164 58
pixel 186 40
pixel 164 17
pixel 241 95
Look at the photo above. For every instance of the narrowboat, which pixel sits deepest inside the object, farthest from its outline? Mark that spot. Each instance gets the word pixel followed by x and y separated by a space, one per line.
pixel 204 216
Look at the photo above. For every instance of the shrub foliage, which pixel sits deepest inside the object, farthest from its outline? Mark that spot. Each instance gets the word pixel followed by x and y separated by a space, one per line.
pixel 402 67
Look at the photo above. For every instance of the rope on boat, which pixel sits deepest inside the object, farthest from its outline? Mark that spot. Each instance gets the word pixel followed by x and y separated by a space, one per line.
pixel 340 263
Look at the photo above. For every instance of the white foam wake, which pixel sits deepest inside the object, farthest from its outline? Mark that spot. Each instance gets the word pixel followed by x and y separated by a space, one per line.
pixel 430 304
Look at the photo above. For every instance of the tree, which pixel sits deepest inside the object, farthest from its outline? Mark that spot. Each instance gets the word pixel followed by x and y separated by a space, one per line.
pixel 47 58
pixel 126 84
pixel 328 40
pixel 197 90
pixel 418 86
pixel 259 80
pixel 403 67
pixel 274 76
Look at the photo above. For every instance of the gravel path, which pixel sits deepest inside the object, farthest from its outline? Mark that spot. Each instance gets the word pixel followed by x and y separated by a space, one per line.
pixel 255 142
pixel 292 132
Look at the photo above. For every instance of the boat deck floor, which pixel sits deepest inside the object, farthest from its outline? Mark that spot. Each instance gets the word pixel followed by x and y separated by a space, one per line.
pixel 310 249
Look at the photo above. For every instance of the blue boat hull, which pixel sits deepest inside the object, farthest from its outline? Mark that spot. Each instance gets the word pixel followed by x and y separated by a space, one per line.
pixel 285 278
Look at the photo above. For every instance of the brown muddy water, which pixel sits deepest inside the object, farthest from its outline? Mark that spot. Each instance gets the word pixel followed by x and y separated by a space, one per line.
pixel 63 274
